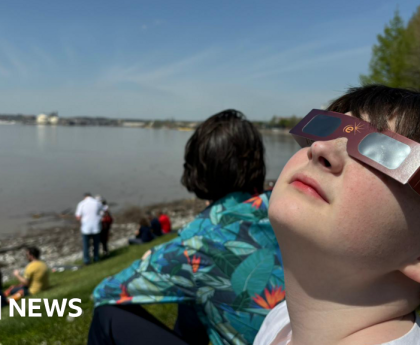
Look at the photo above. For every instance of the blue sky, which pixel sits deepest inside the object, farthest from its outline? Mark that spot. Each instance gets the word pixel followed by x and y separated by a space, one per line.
pixel 185 59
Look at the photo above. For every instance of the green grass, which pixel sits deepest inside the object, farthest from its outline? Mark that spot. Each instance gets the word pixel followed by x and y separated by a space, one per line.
pixel 79 284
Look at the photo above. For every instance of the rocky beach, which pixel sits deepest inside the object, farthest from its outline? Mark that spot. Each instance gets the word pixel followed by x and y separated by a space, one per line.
pixel 62 245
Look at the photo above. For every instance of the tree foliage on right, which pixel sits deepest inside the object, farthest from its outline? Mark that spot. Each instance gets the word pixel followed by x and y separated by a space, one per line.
pixel 395 58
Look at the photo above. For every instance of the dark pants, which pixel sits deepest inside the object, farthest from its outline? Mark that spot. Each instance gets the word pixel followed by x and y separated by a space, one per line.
pixel 131 324
pixel 15 292
pixel 23 289
pixel 86 247
pixel 135 241
pixel 4 301
pixel 189 326
pixel 105 236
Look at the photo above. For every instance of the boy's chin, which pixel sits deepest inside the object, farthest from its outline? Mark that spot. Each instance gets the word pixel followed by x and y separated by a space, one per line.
pixel 298 225
pixel 289 213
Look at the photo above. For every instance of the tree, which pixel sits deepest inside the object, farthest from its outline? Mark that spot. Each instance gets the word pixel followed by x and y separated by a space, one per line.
pixel 389 62
pixel 413 56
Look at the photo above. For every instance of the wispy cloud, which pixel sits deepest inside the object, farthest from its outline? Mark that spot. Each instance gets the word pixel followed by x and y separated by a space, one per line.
pixel 13 57
pixel 309 62
pixel 143 73
pixel 45 58
pixel 293 53
pixel 153 24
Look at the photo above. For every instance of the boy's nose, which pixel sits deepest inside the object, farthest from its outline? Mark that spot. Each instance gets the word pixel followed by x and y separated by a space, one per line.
pixel 329 155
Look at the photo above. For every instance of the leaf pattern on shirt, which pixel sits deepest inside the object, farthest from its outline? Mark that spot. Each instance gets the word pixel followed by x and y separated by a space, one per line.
pixel 226 262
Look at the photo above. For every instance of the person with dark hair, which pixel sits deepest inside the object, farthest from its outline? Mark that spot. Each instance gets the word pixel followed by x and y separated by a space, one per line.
pixel 224 155
pixel 34 279
pixel 345 211
pixel 89 213
pixel 144 234
pixel 223 270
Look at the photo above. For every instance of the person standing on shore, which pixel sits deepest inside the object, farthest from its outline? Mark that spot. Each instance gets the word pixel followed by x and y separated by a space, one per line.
pixel 107 221
pixel 88 212
pixel 165 222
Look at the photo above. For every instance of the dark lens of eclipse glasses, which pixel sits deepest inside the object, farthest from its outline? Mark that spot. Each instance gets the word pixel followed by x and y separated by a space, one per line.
pixel 379 147
pixel 322 126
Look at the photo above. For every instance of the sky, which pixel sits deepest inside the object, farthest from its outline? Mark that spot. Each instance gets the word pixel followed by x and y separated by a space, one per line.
pixel 185 59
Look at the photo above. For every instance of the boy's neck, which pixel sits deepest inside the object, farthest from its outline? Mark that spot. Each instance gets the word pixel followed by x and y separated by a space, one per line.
pixel 328 316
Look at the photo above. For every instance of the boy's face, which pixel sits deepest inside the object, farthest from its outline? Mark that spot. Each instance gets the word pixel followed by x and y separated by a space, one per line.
pixel 327 205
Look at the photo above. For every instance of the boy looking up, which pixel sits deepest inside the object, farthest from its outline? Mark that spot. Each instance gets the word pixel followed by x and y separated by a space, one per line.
pixel 349 233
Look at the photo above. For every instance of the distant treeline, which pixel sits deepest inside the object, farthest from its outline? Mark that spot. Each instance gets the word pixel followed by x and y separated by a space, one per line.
pixel 275 122
pixel 284 122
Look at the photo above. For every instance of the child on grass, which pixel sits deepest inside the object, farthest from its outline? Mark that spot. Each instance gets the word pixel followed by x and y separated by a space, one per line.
pixel 347 219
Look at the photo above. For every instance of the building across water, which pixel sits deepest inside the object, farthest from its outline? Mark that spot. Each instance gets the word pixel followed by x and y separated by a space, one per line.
pixel 51 119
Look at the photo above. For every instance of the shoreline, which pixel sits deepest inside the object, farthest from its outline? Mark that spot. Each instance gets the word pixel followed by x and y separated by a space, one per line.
pixel 62 245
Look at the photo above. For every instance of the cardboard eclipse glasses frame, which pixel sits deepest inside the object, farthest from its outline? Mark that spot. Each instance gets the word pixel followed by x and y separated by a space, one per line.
pixel 388 152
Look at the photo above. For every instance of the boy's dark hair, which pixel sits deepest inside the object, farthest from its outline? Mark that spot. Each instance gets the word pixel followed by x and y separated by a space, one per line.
pixel 34 251
pixel 383 103
pixel 224 155
pixel 87 194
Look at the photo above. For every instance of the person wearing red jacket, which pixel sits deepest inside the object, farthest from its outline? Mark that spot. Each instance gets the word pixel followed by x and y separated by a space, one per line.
pixel 165 222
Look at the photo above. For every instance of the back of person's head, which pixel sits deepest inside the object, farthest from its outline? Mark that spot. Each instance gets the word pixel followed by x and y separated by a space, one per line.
pixel 34 252
pixel 86 195
pixel 225 154
pixel 383 104
pixel 144 222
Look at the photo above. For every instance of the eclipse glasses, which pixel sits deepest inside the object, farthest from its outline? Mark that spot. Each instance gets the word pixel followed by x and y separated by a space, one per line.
pixel 390 153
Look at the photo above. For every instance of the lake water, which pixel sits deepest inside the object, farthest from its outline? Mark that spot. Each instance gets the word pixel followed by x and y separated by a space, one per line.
pixel 46 169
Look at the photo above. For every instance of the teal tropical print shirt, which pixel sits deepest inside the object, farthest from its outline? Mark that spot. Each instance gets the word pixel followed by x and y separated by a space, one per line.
pixel 226 263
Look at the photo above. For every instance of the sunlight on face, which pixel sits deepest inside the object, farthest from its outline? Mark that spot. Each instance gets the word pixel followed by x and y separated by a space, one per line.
pixel 366 219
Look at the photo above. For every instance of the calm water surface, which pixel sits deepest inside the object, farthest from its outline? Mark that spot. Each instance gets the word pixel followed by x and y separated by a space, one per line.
pixel 46 170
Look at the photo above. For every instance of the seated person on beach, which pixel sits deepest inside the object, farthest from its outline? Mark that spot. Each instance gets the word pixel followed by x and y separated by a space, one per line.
pixel 144 233
pixel 348 224
pixel 155 224
pixel 165 222
pixel 225 266
pixel 34 279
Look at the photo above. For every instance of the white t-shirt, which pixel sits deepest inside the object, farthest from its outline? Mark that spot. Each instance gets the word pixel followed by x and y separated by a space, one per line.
pixel 89 209
pixel 278 322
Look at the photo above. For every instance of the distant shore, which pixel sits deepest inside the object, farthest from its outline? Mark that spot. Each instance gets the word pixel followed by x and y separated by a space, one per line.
pixel 63 245
pixel 277 124
pixel 187 127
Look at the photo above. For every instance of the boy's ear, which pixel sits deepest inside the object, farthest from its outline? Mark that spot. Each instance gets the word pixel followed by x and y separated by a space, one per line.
pixel 412 270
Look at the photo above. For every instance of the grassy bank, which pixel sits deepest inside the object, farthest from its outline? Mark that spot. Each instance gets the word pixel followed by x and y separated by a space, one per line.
pixel 79 284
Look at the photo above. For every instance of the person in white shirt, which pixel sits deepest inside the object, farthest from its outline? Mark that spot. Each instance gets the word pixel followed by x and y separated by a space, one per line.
pixel 346 214
pixel 88 212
